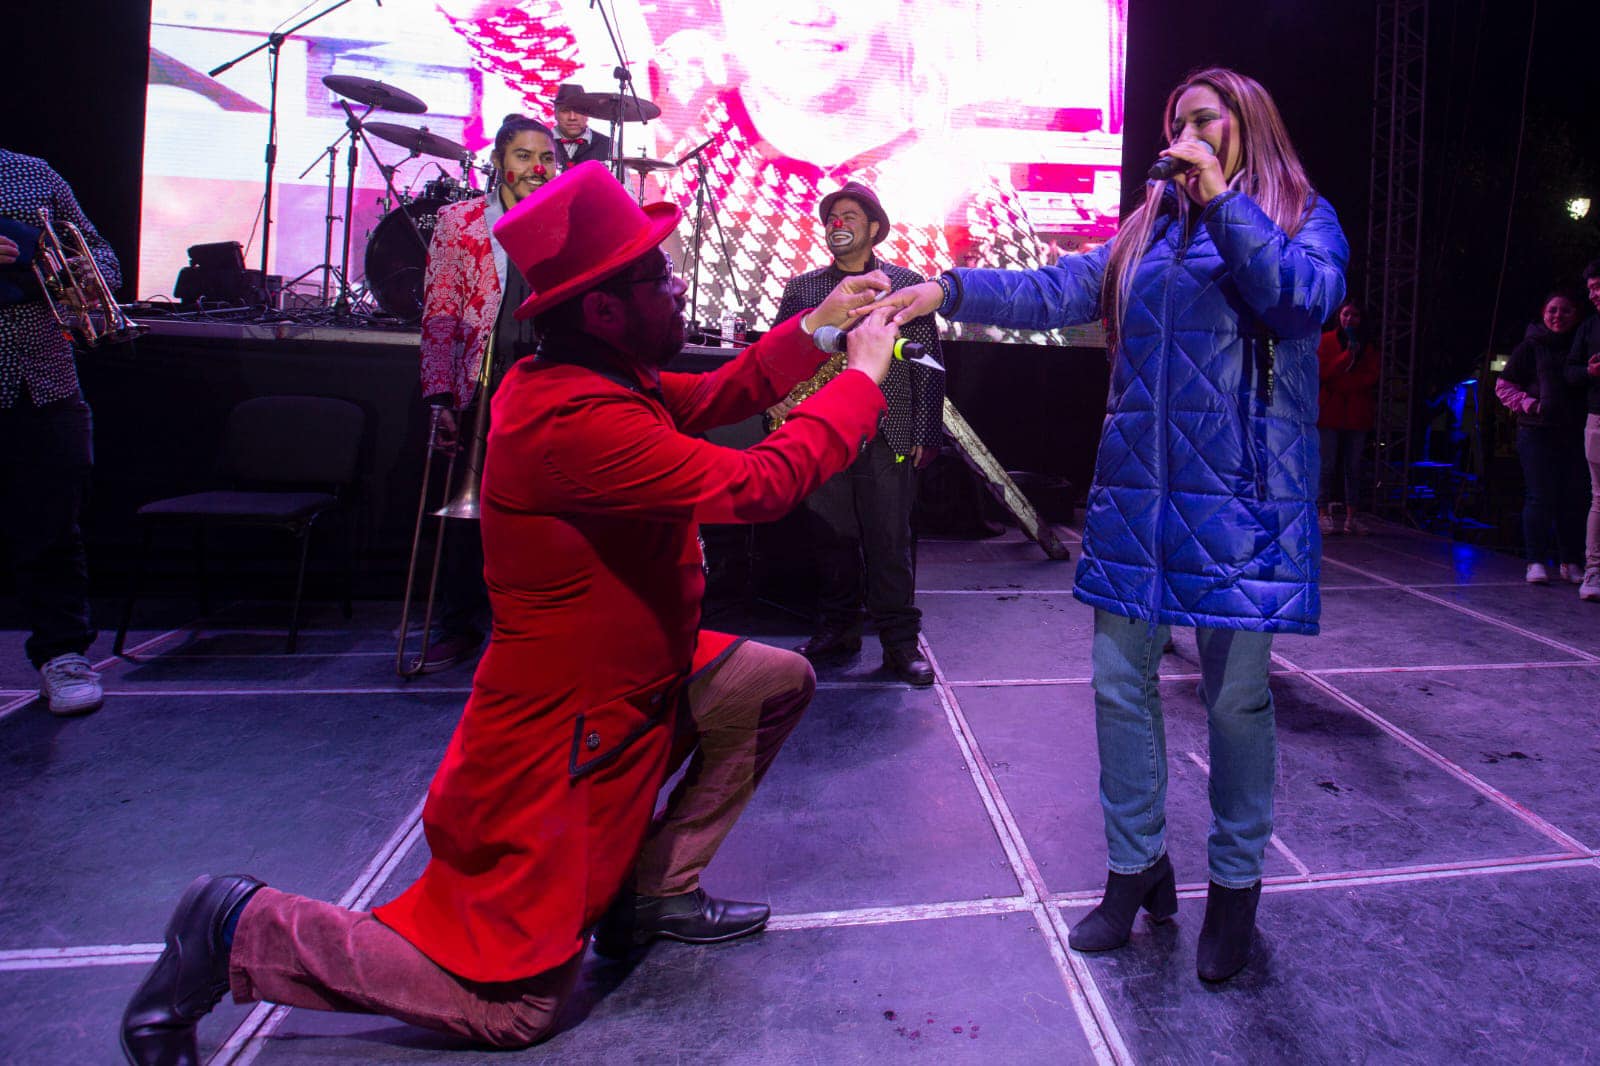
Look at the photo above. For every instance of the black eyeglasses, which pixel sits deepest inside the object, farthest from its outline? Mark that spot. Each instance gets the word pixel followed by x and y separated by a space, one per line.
pixel 665 277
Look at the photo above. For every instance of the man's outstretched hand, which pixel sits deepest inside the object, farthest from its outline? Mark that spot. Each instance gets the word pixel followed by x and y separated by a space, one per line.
pixel 913 301
pixel 849 300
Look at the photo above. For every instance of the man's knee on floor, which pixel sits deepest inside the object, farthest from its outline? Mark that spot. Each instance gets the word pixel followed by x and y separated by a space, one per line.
pixel 514 1025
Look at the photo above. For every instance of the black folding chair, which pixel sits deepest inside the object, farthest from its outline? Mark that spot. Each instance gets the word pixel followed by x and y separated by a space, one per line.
pixel 288 460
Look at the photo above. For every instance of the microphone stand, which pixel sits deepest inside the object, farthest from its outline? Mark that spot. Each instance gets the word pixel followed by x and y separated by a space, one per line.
pixel 699 216
pixel 624 89
pixel 273 45
pixel 699 230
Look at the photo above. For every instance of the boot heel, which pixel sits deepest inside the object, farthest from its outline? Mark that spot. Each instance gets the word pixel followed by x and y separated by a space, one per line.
pixel 1161 902
pixel 1107 926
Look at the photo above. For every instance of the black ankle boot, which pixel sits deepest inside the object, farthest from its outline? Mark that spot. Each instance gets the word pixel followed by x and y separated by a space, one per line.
pixel 1229 926
pixel 1108 925
pixel 188 979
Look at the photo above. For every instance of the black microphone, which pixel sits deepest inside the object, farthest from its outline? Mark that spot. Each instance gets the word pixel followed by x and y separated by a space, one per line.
pixel 1170 166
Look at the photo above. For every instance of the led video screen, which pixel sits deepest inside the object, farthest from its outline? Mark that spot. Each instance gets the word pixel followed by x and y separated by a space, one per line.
pixel 991 131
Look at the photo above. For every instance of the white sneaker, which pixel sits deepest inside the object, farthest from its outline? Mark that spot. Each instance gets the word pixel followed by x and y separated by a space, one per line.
pixel 1355 527
pixel 1572 572
pixel 70 685
pixel 1590 589
pixel 1537 574
pixel 1326 523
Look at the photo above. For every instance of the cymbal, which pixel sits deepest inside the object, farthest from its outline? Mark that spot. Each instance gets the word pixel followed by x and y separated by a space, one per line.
pixel 605 105
pixel 644 166
pixel 374 94
pixel 419 141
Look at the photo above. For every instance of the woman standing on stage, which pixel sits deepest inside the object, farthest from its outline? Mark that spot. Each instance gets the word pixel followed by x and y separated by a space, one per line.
pixel 1347 410
pixel 1203 510
pixel 1549 411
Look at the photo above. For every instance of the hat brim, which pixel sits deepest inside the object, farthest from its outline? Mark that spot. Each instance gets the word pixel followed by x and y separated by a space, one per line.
pixel 664 218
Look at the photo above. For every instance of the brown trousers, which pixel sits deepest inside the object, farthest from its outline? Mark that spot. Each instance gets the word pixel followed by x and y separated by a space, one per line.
pixel 305 953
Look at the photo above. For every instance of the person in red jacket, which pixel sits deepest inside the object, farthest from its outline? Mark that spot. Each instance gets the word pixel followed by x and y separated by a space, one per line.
pixel 597 682
pixel 1347 410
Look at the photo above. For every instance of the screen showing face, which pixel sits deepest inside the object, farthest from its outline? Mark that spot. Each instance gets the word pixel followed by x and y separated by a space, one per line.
pixel 990 132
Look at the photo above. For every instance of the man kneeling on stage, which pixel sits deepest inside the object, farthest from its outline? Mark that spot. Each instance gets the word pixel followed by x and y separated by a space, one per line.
pixel 597 682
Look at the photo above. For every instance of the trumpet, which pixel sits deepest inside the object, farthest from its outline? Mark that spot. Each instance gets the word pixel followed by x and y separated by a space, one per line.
pixel 464 504
pixel 79 298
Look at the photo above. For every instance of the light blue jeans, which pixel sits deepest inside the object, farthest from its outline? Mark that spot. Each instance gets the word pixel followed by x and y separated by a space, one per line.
pixel 1133 745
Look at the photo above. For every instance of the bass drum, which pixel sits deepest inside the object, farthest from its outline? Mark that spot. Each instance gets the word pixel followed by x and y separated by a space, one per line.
pixel 396 259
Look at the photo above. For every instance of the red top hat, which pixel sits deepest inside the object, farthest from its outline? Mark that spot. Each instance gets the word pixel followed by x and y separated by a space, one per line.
pixel 577 230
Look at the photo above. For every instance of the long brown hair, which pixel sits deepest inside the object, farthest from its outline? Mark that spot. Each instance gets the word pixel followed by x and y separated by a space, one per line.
pixel 1269 173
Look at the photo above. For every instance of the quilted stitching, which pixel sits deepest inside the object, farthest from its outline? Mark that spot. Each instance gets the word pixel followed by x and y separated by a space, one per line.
pixel 1228 538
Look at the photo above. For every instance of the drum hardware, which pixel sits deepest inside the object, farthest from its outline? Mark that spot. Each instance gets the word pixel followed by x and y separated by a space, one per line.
pixel 373 95
pixel 643 166
pixel 377 95
pixel 273 45
pixel 619 107
pixel 394 261
pixel 419 141
pixel 448 189
pixel 329 218
pixel 463 505
pixel 358 130
pixel 616 107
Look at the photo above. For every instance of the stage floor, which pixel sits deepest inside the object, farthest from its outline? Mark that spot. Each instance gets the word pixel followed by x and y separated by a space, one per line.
pixel 1430 893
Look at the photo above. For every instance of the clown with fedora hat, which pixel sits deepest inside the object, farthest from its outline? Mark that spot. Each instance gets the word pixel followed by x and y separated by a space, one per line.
pixel 860 521
pixel 597 682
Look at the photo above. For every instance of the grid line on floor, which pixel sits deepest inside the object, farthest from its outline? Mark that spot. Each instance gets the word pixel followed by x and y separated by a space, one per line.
pixel 1488 619
pixel 27 959
pixel 1443 762
pixel 104 664
pixel 1094 1016
pixel 250 1036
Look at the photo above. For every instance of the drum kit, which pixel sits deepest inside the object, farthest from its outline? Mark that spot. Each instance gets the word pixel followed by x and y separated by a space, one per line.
pixel 397 247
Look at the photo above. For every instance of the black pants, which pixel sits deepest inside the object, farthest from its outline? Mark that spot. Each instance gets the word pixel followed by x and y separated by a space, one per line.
pixel 48 452
pixel 1555 494
pixel 860 524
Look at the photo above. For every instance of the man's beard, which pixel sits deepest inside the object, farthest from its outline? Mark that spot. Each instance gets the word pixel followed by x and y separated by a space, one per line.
pixel 653 348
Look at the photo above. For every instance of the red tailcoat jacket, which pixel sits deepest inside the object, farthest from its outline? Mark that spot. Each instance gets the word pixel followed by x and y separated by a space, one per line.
pixel 592 495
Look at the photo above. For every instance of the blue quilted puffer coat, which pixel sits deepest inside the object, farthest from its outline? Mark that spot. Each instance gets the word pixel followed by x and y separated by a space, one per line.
pixel 1203 508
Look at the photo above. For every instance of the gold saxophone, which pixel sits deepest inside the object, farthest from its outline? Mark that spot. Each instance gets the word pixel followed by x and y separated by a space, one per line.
pixel 825 373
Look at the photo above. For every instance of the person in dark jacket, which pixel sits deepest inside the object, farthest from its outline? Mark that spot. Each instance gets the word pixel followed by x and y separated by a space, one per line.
pixel 46 439
pixel 577 143
pixel 1549 416
pixel 1583 369
pixel 860 519
pixel 1347 407
pixel 1203 508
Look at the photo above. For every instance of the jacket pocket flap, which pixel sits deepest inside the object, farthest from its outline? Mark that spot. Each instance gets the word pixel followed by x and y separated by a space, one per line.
pixel 601 734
